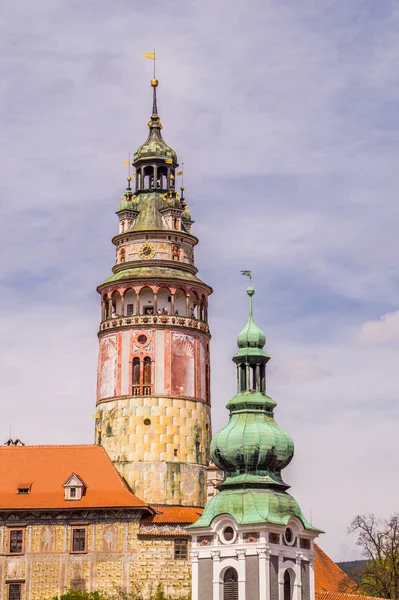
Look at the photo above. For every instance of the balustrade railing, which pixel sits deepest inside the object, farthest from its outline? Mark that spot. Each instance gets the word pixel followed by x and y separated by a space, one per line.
pixel 166 320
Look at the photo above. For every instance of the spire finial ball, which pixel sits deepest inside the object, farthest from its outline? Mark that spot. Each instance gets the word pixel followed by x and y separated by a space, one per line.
pixel 182 188
pixel 250 291
pixel 129 178
pixel 154 83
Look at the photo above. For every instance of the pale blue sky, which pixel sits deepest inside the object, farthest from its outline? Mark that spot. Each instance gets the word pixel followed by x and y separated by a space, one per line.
pixel 285 115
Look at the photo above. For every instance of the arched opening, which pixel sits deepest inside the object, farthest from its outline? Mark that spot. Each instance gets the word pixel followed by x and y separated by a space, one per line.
pixel 288 585
pixel 162 178
pixel 130 303
pixel 164 301
pixel 263 379
pixel 180 303
pixel 148 178
pixel 253 377
pixel 147 376
pixel 176 223
pixel 116 305
pixel 230 585
pixel 136 377
pixel 122 255
pixel 193 306
pixel 146 301
pixel 138 180
pixel 123 227
pixel 243 377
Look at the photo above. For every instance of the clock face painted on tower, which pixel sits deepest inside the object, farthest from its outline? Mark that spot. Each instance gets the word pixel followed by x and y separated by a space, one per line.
pixel 147 251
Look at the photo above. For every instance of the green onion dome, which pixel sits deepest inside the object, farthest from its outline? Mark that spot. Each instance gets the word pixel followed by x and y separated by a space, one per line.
pixel 251 336
pixel 252 449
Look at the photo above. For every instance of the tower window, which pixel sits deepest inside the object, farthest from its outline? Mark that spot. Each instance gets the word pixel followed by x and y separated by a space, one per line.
pixel 72 492
pixel 16 545
pixel 230 584
pixel 136 377
pixel 147 422
pixel 180 549
pixel 147 376
pixel 130 310
pixel 287 585
pixel 14 591
pixel 79 539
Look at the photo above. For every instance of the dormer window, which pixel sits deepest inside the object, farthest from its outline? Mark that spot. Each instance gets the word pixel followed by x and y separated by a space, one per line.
pixel 24 488
pixel 74 488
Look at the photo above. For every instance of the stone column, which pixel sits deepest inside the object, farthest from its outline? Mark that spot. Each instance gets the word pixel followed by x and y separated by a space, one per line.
pixel 122 305
pixel 264 572
pixel 241 573
pixel 137 303
pixel 216 574
pixel 187 306
pixel 206 312
pixel 194 575
pixel 109 308
pixel 102 310
pixel 172 304
pixel 155 303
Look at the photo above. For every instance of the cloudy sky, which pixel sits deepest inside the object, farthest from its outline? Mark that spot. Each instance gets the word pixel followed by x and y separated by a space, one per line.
pixel 285 115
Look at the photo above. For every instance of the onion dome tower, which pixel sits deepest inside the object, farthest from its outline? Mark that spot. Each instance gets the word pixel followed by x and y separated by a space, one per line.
pixel 153 393
pixel 252 530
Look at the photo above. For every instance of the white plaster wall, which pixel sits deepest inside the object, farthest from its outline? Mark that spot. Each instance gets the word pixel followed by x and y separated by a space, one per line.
pixel 160 362
pixel 125 365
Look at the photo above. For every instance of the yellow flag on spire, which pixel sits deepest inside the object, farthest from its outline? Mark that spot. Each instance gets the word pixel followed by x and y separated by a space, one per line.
pixel 126 163
pixel 169 161
pixel 179 173
pixel 150 55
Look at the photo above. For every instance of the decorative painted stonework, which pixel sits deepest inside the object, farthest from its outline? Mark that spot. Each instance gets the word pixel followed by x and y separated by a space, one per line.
pixel 153 387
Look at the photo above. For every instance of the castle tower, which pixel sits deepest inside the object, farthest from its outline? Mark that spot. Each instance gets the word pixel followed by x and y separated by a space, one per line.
pixel 252 541
pixel 153 392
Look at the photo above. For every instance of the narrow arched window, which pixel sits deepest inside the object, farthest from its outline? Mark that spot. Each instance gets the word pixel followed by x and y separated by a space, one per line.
pixel 230 585
pixel 253 374
pixel 243 378
pixel 287 585
pixel 147 376
pixel 263 379
pixel 136 377
pixel 207 390
pixel 122 255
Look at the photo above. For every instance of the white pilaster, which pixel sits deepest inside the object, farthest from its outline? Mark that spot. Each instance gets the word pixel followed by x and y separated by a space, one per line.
pixel 216 575
pixel 311 578
pixel 280 576
pixel 194 576
pixel 298 577
pixel 241 573
pixel 264 572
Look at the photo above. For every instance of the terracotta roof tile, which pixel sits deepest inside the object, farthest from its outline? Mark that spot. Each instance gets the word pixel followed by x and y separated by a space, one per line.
pixel 328 576
pixel 324 595
pixel 46 468
pixel 174 514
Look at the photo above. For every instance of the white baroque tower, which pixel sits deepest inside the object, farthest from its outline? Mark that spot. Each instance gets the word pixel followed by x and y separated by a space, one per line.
pixel 153 392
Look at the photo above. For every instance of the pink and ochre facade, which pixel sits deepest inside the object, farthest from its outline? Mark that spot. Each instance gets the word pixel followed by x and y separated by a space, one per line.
pixel 153 390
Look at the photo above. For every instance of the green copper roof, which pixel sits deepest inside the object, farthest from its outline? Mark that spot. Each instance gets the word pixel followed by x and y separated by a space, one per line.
pixel 251 336
pixel 252 449
pixel 155 146
pixel 153 272
pixel 250 506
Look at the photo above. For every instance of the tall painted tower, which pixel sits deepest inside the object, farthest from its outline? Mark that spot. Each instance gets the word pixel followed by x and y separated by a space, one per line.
pixel 153 393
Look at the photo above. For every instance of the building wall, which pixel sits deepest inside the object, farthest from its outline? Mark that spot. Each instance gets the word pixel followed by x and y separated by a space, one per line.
pixel 163 461
pixel 116 556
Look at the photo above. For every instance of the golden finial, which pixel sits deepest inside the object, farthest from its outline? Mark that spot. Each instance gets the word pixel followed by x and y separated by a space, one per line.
pixel 154 82
pixel 129 178
pixel 182 188
pixel 172 176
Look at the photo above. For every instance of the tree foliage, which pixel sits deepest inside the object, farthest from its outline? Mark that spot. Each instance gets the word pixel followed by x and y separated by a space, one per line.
pixel 153 592
pixel 379 542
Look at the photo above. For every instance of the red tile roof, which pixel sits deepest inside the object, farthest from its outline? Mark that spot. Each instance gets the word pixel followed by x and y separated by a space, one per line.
pixel 46 468
pixel 328 576
pixel 324 595
pixel 174 514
